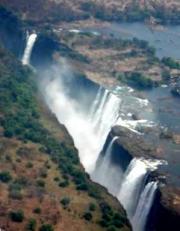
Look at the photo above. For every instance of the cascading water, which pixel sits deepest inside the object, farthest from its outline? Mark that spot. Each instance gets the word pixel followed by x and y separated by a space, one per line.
pixel 87 137
pixel 106 114
pixel 96 102
pixel 31 39
pixel 105 174
pixel 90 131
pixel 144 206
pixel 99 110
pixel 134 180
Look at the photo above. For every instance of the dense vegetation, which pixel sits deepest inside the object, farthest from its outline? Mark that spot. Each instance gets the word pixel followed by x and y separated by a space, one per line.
pixel 171 63
pixel 136 79
pixel 133 12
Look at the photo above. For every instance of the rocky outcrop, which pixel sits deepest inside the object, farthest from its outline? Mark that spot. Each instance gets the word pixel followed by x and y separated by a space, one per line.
pixel 133 142
pixel 165 213
pixel 12 36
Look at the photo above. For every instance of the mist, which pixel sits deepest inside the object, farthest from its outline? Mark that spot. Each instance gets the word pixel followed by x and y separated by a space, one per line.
pixel 68 111
pixel 89 113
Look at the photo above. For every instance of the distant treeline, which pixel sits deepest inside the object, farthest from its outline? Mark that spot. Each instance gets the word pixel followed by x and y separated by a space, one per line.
pixel 132 13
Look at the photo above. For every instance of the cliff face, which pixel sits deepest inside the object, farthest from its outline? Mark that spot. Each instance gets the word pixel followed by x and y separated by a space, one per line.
pixel 165 212
pixel 12 35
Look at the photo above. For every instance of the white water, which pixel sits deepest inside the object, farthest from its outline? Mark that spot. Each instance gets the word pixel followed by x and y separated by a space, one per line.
pixel 106 115
pixel 90 132
pixel 143 208
pixel 133 181
pixel 88 139
pixel 31 39
pixel 107 175
pixel 95 104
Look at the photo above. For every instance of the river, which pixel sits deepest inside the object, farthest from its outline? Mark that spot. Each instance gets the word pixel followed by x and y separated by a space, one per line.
pixel 164 109
pixel 166 40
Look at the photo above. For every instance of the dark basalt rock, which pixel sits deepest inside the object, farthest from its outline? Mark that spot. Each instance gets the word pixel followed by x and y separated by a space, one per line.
pixel 163 215
pixel 165 212
pixel 133 142
pixel 43 51
pixel 12 35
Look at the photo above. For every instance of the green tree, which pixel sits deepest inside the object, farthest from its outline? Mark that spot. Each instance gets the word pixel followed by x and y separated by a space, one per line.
pixel 17 216
pixel 5 176
pixel 46 227
pixel 31 226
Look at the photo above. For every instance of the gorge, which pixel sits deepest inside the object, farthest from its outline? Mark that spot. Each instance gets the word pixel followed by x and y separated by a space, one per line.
pixel 90 127
pixel 115 128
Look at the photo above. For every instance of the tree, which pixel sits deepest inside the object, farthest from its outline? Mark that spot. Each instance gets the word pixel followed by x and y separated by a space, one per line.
pixel 5 176
pixel 31 226
pixel 46 227
pixel 87 216
pixel 65 201
pixel 17 216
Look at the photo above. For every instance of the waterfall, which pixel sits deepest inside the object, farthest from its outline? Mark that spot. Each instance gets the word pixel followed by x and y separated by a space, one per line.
pixel 96 103
pixel 134 180
pixel 89 132
pixel 144 206
pixel 106 115
pixel 98 112
pixel 106 174
pixel 31 39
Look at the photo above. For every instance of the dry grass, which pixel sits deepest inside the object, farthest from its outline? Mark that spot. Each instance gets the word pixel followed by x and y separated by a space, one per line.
pixel 48 198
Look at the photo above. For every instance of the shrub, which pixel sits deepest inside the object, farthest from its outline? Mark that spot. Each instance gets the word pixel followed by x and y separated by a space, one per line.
pixel 5 177
pixel 117 223
pixel 21 181
pixel 94 192
pixel 65 201
pixel 40 183
pixel 56 179
pixel 87 216
pixel 64 183
pixel 92 207
pixel 15 194
pixel 37 210
pixel 83 187
pixel 171 63
pixel 29 165
pixel 8 158
pixel 111 228
pixel 17 216
pixel 31 226
pixel 166 76
pixel 46 227
pixel 104 223
pixel 139 80
pixel 43 173
pixel 8 133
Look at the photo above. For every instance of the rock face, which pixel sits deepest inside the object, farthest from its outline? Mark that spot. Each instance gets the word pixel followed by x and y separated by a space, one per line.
pixel 165 213
pixel 133 142
pixel 12 35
